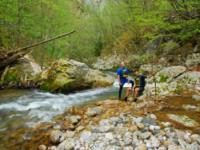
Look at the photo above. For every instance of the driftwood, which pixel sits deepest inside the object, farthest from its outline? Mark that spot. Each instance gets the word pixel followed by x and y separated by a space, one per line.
pixel 7 58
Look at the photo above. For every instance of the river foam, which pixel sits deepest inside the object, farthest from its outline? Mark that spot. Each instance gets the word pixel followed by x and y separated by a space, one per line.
pixel 40 106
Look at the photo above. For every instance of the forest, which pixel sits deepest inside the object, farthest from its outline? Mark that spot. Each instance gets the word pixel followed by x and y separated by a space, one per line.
pixel 99 74
pixel 101 26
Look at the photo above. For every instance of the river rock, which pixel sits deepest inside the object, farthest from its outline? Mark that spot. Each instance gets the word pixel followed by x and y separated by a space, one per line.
pixel 56 136
pixel 193 59
pixel 141 147
pixel 144 135
pixel 148 68
pixel 23 71
pixel 195 137
pixel 184 120
pixel 190 77
pixel 91 112
pixel 174 147
pixel 74 119
pixel 67 144
pixel 148 121
pixel 169 73
pixel 52 148
pixel 196 97
pixel 103 129
pixel 191 108
pixel 71 75
pixel 42 147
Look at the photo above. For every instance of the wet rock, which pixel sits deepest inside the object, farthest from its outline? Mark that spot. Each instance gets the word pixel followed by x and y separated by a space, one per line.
pixel 67 144
pixel 56 136
pixel 184 120
pixel 75 119
pixel 149 121
pixel 196 97
pixel 91 112
pixel 42 147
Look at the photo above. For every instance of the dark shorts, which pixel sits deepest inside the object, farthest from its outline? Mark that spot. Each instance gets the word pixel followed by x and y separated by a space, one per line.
pixel 141 90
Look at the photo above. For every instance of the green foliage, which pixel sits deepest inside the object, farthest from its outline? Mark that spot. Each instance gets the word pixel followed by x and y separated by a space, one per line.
pixel 105 27
pixel 163 78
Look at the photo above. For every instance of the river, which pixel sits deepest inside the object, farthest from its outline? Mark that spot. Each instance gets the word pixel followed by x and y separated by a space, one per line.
pixel 20 110
pixel 23 109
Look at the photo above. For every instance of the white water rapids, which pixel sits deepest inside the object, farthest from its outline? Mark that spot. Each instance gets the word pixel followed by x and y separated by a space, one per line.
pixel 33 107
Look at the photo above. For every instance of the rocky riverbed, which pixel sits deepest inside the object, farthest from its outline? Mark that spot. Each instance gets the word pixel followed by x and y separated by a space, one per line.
pixel 118 125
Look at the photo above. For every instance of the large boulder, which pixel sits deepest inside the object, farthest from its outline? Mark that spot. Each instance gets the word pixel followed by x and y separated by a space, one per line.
pixel 193 59
pixel 21 73
pixel 71 75
pixel 169 73
pixel 191 77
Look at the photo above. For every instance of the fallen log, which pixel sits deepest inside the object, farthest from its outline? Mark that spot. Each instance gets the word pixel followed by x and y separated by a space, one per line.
pixel 10 57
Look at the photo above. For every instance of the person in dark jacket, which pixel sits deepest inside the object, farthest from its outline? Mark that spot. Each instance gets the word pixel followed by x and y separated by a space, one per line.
pixel 140 82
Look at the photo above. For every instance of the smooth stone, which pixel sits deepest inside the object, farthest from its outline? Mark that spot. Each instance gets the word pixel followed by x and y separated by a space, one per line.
pixel 140 125
pixel 184 120
pixel 42 147
pixel 141 147
pixel 67 144
pixel 196 97
pixel 91 112
pixel 128 148
pixel 166 124
pixel 103 129
pixel 85 136
pixel 80 128
pixel 174 147
pixel 153 116
pixel 75 119
pixel 52 148
pixel 70 134
pixel 56 136
pixel 195 137
pixel 144 135
pixel 148 121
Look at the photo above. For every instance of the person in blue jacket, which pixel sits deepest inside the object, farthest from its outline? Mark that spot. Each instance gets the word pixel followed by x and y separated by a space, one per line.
pixel 122 77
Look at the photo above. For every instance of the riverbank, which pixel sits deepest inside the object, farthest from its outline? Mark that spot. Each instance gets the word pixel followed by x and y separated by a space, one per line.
pixel 113 124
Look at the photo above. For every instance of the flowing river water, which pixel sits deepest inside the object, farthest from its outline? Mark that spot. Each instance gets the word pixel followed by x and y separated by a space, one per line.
pixel 22 109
